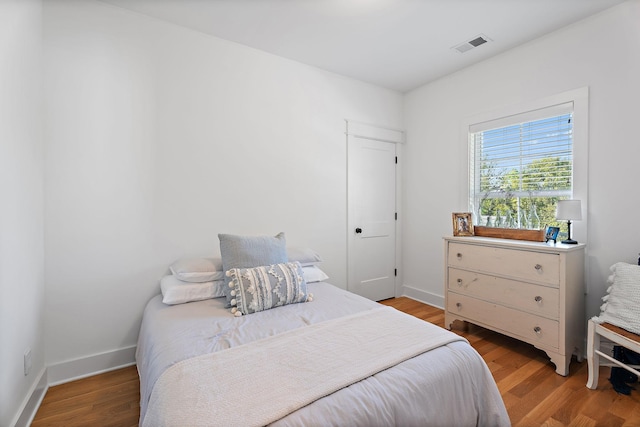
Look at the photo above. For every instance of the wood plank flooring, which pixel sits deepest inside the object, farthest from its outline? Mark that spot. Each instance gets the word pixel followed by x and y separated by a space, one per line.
pixel 111 399
pixel 533 393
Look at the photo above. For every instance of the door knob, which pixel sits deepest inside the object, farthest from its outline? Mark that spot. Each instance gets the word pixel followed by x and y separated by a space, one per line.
pixel 358 230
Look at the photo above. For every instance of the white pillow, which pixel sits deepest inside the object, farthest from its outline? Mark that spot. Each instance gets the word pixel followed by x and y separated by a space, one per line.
pixel 313 273
pixel 621 305
pixel 176 291
pixel 305 256
pixel 200 270
pixel 197 270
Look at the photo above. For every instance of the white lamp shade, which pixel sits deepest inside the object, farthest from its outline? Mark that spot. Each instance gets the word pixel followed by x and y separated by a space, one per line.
pixel 569 210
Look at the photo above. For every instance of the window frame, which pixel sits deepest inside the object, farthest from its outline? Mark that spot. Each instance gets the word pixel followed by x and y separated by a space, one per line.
pixel 580 100
pixel 514 134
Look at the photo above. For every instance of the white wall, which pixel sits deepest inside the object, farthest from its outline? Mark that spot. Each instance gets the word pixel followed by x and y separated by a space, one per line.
pixel 600 53
pixel 21 210
pixel 157 139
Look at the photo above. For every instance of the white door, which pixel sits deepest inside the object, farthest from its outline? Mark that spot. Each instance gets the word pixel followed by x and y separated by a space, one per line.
pixel 372 217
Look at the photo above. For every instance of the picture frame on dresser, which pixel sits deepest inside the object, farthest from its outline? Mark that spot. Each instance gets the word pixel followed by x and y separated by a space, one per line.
pixel 552 233
pixel 462 224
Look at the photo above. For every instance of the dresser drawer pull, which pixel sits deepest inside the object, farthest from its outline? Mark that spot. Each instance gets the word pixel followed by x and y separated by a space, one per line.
pixel 459 281
pixel 459 255
pixel 537 330
pixel 538 267
pixel 459 305
pixel 538 299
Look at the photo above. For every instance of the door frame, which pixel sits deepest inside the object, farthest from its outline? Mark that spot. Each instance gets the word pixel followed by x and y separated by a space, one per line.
pixel 356 129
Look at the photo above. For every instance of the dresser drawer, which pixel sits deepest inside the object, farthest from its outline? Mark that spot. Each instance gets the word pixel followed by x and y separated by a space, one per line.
pixel 533 329
pixel 523 265
pixel 535 299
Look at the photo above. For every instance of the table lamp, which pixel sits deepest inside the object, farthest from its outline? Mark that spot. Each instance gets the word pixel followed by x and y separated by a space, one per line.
pixel 568 210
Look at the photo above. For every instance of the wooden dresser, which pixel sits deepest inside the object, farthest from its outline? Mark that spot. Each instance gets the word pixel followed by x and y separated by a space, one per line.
pixel 531 291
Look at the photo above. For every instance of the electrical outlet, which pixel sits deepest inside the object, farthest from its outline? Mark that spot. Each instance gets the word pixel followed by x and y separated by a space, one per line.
pixel 27 361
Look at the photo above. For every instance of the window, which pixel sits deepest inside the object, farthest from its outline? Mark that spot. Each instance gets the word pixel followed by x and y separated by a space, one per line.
pixel 521 166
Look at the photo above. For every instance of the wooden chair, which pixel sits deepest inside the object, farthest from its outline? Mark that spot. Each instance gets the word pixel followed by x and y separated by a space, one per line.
pixel 617 336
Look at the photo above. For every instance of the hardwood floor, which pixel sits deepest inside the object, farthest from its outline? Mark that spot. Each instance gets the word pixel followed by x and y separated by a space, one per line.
pixel 533 393
pixel 111 399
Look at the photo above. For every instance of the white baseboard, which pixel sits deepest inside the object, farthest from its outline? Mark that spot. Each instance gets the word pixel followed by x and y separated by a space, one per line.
pixel 423 296
pixel 72 370
pixel 76 369
pixel 32 403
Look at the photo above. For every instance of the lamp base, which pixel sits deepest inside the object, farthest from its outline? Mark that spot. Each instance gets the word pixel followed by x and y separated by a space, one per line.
pixel 570 242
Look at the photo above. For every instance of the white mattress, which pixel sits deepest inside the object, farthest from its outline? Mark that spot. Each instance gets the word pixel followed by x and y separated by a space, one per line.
pixel 450 385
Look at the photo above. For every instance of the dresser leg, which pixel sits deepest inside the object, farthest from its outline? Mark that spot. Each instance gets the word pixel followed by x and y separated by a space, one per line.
pixel 448 320
pixel 561 362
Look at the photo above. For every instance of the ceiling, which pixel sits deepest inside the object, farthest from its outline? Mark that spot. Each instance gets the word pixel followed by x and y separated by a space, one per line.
pixel 397 44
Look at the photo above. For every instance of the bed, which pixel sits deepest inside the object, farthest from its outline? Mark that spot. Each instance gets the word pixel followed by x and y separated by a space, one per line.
pixel 308 364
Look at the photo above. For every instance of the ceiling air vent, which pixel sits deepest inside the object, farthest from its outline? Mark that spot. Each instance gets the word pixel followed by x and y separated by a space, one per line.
pixel 475 42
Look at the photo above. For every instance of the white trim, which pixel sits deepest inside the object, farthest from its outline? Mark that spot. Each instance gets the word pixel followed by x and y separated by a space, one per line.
pixel 71 370
pixel 523 117
pixel 423 296
pixel 580 99
pixel 76 369
pixel 581 165
pixel 32 402
pixel 378 133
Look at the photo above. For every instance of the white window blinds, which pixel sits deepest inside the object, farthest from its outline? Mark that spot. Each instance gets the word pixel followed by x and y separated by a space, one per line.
pixel 528 156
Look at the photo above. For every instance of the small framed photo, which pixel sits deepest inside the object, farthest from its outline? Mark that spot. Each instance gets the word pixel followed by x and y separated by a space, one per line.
pixel 552 233
pixel 462 225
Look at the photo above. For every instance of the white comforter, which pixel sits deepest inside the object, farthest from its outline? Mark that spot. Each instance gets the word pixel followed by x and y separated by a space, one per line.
pixel 449 385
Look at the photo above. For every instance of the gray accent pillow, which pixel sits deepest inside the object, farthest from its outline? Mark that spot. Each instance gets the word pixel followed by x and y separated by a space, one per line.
pixel 262 288
pixel 250 251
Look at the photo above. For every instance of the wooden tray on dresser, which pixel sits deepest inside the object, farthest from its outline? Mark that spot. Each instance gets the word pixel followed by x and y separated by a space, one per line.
pixel 510 233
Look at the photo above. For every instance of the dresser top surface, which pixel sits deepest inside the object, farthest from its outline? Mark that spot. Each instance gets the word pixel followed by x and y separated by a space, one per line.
pixel 516 244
